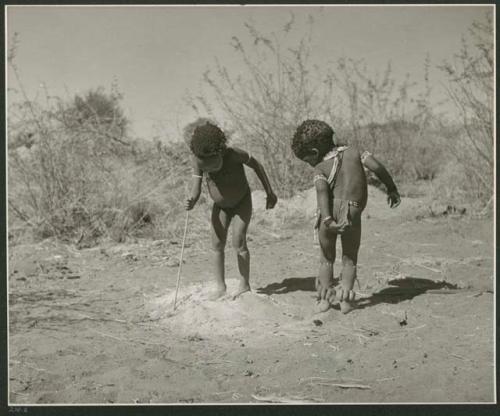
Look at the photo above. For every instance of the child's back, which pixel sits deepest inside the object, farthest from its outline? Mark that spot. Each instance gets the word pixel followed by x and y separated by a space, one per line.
pixel 350 182
pixel 342 193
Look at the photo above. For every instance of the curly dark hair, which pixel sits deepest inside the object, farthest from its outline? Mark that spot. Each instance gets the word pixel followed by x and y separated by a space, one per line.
pixel 205 138
pixel 312 134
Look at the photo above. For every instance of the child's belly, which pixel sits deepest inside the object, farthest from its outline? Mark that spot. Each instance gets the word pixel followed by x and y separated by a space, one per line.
pixel 227 194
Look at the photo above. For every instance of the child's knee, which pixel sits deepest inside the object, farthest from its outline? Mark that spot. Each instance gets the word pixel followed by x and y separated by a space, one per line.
pixel 218 246
pixel 239 242
pixel 242 251
pixel 350 259
pixel 240 246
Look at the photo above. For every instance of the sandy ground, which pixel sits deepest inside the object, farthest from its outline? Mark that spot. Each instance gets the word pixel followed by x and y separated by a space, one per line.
pixel 94 325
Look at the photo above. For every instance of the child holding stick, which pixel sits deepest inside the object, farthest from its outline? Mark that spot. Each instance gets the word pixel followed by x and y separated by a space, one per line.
pixel 223 169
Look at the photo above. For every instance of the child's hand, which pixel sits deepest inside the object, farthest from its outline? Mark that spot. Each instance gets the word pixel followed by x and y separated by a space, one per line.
pixel 271 200
pixel 190 203
pixel 345 295
pixel 337 228
pixel 393 199
pixel 325 292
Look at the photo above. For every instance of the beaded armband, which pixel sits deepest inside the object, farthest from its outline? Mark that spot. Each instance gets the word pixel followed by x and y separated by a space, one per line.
pixel 319 177
pixel 364 155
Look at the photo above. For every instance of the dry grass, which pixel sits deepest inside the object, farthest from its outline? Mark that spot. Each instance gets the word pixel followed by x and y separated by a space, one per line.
pixel 75 174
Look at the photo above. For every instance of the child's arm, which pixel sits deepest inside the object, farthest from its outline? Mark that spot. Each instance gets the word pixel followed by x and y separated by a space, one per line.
pixel 323 200
pixel 393 198
pixel 261 174
pixel 248 160
pixel 195 188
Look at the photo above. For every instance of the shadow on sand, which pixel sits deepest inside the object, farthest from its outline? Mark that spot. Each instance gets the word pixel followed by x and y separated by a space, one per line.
pixel 399 290
pixel 406 289
pixel 291 284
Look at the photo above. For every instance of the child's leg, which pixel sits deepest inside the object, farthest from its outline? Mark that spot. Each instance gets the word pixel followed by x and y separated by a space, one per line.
pixel 327 242
pixel 350 246
pixel 241 220
pixel 220 225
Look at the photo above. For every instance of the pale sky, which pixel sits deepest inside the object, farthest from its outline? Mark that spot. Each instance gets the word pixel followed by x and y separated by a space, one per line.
pixel 156 54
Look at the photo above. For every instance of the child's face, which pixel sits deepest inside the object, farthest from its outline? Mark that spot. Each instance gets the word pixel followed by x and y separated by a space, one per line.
pixel 210 163
pixel 312 158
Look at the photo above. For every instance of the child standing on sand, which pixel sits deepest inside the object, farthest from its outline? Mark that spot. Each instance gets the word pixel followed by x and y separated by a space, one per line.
pixel 227 184
pixel 342 193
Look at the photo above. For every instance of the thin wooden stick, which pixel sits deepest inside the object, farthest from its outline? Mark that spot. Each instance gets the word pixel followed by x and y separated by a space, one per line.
pixel 326 380
pixel 180 260
pixel 345 386
pixel 277 399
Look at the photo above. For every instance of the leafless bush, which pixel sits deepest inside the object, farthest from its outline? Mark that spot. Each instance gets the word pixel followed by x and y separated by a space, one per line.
pixel 281 87
pixel 75 174
pixel 390 118
pixel 265 105
pixel 471 89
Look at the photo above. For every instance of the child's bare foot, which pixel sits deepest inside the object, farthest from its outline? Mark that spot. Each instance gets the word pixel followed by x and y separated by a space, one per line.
pixel 346 298
pixel 323 305
pixel 244 287
pixel 218 293
pixel 346 307
pixel 331 294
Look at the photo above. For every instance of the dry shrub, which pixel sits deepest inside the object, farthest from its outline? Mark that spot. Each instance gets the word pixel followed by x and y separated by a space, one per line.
pixel 281 87
pixel 471 90
pixel 75 174
pixel 374 110
pixel 443 192
pixel 263 106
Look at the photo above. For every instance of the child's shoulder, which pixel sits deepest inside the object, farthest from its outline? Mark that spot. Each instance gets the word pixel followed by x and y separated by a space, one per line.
pixel 234 149
pixel 236 154
pixel 352 153
pixel 352 150
pixel 323 167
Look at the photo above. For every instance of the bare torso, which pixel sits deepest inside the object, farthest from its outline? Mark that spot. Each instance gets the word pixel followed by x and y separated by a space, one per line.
pixel 351 179
pixel 229 185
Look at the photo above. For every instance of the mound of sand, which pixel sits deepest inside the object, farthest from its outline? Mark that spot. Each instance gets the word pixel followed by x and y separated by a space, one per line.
pixel 252 311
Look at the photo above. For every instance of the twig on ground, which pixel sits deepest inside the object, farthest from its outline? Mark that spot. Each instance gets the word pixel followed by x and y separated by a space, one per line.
pixel 386 378
pixel 461 358
pixel 345 386
pixel 217 362
pixel 109 335
pixel 359 331
pixel 486 207
pixel 415 328
pixel 325 379
pixel 121 321
pixel 283 399
pixel 31 366
pixel 19 394
pixel 412 263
